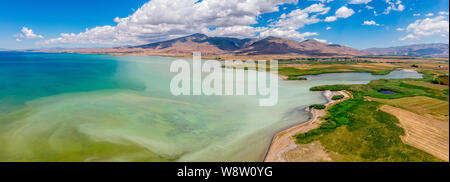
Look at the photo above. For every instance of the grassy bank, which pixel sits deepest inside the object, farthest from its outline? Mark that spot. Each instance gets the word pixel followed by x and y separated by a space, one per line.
pixel 401 87
pixel 294 72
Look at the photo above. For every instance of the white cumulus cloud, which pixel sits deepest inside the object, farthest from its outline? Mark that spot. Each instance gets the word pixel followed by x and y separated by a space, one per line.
pixel 286 33
pixel 443 13
pixel 159 20
pixel 323 1
pixel 288 24
pixel 370 22
pixel 395 5
pixel 342 12
pixel 28 33
pixel 323 41
pixel 429 26
pixel 330 19
pixel 359 1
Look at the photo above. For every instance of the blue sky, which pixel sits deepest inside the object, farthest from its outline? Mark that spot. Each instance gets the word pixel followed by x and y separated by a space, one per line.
pixel 106 23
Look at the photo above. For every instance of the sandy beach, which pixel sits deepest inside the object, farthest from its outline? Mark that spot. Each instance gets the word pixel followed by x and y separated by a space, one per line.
pixel 283 147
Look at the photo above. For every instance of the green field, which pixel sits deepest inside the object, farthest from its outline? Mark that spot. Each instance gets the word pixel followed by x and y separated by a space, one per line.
pixel 420 105
pixel 291 71
pixel 427 84
pixel 399 86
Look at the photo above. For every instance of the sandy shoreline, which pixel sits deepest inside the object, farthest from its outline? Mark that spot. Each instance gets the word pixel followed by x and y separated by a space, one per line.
pixel 284 141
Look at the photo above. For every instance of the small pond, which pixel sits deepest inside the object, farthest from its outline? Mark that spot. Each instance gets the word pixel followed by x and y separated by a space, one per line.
pixel 386 91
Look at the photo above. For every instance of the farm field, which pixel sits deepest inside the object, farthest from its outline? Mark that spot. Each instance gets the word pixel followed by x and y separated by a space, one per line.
pixel 423 132
pixel 426 106
pixel 376 66
pixel 427 84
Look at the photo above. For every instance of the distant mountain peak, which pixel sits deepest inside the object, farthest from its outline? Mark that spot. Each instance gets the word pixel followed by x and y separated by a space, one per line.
pixel 415 50
pixel 314 42
pixel 272 37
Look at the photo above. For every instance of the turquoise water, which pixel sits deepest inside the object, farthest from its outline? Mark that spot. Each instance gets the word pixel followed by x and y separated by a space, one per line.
pixel 71 107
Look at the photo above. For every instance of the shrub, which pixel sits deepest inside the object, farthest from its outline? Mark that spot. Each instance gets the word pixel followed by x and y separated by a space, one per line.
pixel 330 87
pixel 441 80
pixel 317 106
pixel 337 97
pixel 295 78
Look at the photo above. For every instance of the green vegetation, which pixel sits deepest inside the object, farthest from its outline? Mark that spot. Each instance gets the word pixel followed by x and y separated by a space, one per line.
pixel 81 148
pixel 442 80
pixel 399 86
pixel 358 131
pixel 295 78
pixel 421 105
pixel 292 72
pixel 39 145
pixel 427 84
pixel 365 134
pixel 337 97
pixel 317 106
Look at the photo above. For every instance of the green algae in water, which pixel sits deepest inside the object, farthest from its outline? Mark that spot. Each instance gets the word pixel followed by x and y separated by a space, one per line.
pixel 106 126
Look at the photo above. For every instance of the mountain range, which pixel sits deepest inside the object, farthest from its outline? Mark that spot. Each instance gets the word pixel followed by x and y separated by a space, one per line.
pixel 256 46
pixel 269 46
pixel 223 46
pixel 416 50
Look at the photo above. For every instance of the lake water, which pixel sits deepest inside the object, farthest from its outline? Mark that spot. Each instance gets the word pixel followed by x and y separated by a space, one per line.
pixel 71 107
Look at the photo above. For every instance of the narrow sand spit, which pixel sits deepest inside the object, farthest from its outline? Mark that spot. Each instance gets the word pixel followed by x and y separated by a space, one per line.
pixel 284 148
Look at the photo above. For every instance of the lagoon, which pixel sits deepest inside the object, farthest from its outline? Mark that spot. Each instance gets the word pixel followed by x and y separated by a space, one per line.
pixel 72 107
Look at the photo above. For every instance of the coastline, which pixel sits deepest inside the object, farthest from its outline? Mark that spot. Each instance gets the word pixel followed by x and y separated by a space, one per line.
pixel 284 141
